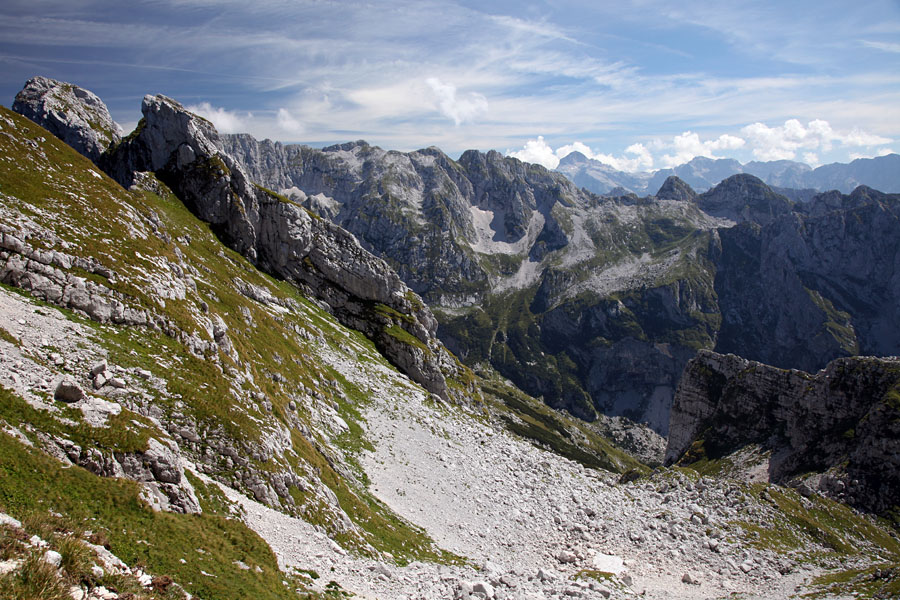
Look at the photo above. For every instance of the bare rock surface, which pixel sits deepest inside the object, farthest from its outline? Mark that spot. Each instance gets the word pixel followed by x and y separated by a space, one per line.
pixel 71 113
pixel 527 520
pixel 842 421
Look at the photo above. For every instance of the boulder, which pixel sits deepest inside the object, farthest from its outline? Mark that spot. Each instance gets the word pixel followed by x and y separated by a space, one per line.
pixel 67 390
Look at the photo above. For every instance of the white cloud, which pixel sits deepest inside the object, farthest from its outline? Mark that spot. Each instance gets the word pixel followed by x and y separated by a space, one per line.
pixel 536 151
pixel 636 158
pixel 779 143
pixel 224 120
pixel 876 153
pixel 287 122
pixel 688 146
pixel 459 109
pixel 765 143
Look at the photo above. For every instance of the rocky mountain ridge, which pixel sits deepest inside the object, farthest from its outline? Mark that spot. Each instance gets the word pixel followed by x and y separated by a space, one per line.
pixel 597 303
pixel 133 336
pixel 185 153
pixel 703 173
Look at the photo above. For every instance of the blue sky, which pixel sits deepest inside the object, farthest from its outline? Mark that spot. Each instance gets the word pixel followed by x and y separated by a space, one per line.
pixel 640 85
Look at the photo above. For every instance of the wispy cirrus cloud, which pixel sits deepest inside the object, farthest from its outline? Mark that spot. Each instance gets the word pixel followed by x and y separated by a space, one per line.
pixel 885 46
pixel 408 74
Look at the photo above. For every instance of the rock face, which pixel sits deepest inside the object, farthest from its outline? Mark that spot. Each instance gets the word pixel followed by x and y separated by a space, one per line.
pixel 744 198
pixel 804 290
pixel 430 217
pixel 843 422
pixel 186 153
pixel 282 237
pixel 597 304
pixel 675 189
pixel 73 114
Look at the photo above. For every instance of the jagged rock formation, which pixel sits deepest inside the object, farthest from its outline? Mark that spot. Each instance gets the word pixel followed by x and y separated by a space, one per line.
pixel 843 422
pixel 596 304
pixel 430 217
pixel 743 198
pixel 73 114
pixel 185 152
pixel 674 188
pixel 804 290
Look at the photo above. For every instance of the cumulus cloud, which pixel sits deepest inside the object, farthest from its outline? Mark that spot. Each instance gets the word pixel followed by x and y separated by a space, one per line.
pixel 784 142
pixel 224 120
pixel 287 122
pixel 636 158
pixel 453 106
pixel 536 151
pixel 688 145
pixel 790 141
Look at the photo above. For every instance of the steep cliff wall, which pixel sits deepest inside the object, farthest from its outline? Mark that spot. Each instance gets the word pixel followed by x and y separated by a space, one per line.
pixel 280 236
pixel 843 421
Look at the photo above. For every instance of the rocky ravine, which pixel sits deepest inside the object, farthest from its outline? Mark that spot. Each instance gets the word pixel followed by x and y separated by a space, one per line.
pixel 534 525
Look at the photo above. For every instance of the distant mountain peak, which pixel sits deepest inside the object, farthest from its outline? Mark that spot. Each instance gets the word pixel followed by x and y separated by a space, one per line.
pixel 573 158
pixel 703 173
pixel 676 189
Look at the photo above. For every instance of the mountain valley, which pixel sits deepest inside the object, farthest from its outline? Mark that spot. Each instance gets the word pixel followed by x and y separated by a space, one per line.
pixel 234 368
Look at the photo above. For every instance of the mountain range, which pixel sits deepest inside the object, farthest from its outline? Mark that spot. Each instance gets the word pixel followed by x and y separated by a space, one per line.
pixel 795 179
pixel 233 368
pixel 597 303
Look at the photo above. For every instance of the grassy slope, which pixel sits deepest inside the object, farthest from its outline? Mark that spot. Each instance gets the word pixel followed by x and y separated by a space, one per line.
pixel 48 185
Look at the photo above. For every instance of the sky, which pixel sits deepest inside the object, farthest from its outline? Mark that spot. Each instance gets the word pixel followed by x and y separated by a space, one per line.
pixel 639 85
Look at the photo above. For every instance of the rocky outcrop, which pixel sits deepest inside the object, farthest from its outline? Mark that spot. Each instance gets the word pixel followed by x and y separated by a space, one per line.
pixel 804 290
pixel 843 422
pixel 282 237
pixel 158 468
pixel 71 113
pixel 743 198
pixel 675 189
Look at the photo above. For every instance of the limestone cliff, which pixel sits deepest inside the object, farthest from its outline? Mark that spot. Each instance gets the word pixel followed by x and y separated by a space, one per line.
pixel 280 236
pixel 838 429
pixel 73 114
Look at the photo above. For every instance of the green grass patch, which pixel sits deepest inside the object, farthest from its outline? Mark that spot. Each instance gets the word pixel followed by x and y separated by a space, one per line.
pixel 31 481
